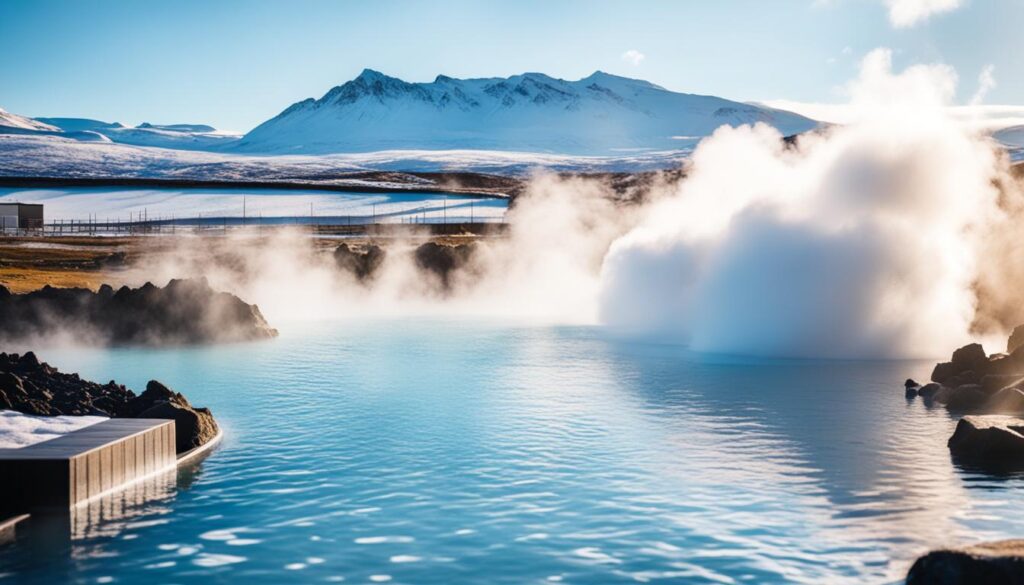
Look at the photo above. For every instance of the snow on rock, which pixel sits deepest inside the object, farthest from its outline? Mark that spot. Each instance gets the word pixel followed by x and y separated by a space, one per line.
pixel 599 114
pixel 21 430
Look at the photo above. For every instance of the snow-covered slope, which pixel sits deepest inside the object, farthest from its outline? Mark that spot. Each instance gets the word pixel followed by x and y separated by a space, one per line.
pixel 56 156
pixel 79 124
pixel 599 114
pixel 9 120
pixel 177 136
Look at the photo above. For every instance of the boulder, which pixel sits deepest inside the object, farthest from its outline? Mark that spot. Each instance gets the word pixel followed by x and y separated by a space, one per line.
pixel 1016 339
pixel 444 261
pixel 12 386
pixel 928 391
pixel 993 562
pixel 31 387
pixel 1009 364
pixel 967 398
pixel 989 439
pixel 193 426
pixel 993 383
pixel 967 366
pixel 911 387
pixel 944 372
pixel 1006 401
pixel 361 264
pixel 970 357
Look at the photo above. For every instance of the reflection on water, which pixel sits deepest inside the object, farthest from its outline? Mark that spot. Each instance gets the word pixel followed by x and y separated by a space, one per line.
pixel 438 453
pixel 52 539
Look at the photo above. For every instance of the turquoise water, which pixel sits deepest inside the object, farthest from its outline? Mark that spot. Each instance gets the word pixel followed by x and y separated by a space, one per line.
pixel 439 452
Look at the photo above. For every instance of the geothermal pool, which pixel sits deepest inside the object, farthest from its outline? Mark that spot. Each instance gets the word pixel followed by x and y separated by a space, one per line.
pixel 448 452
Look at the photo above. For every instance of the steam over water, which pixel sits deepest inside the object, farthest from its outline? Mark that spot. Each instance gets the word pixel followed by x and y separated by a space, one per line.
pixel 871 239
pixel 891 236
pixel 497 428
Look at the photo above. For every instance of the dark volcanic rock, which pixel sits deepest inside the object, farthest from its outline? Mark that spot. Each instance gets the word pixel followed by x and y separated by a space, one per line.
pixel 183 312
pixel 993 383
pixel 967 398
pixel 928 391
pixel 989 563
pixel 911 387
pixel 443 261
pixel 967 366
pixel 1006 401
pixel 193 426
pixel 992 439
pixel 31 387
pixel 1016 339
pixel 362 264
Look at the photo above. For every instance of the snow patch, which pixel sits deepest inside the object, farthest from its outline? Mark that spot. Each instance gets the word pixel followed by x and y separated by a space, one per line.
pixel 19 430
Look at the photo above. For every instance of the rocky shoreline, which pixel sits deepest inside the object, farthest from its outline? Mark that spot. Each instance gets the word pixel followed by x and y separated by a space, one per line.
pixel 987 391
pixel 30 386
pixel 989 388
pixel 183 312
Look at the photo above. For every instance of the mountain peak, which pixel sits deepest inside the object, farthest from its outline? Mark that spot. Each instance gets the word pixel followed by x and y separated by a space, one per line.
pixel 531 111
pixel 372 75
pixel 609 78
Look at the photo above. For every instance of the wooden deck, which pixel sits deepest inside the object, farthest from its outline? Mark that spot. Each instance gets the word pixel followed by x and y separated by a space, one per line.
pixel 73 468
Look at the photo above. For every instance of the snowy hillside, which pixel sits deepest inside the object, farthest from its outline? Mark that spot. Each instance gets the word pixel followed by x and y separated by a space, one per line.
pixel 600 114
pixel 177 136
pixel 10 120
pixel 56 156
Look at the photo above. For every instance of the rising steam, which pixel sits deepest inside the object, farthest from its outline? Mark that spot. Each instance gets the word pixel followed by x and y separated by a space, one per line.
pixel 889 236
pixel 865 240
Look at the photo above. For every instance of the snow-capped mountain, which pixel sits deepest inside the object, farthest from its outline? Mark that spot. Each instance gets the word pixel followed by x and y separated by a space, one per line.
pixel 598 114
pixel 177 136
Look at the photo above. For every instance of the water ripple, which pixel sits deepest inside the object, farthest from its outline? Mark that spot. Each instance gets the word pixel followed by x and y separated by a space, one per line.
pixel 426 452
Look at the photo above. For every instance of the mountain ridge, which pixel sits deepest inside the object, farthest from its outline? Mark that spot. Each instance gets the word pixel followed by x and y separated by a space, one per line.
pixel 596 114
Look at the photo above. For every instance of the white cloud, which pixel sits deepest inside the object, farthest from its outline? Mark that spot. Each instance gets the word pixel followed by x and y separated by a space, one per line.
pixel 633 57
pixel 904 13
pixel 986 83
pixel 984 117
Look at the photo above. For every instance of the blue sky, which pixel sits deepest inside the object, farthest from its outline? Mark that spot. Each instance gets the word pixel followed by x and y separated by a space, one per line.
pixel 233 64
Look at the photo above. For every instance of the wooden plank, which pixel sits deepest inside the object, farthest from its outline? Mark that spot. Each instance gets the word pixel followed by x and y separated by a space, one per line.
pixel 106 468
pixel 129 457
pixel 93 470
pixel 117 462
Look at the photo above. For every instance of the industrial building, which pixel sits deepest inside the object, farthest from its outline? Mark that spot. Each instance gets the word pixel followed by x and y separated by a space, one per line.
pixel 21 216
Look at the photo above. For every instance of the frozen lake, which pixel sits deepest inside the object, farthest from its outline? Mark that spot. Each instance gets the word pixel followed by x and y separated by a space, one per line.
pixel 441 452
pixel 131 203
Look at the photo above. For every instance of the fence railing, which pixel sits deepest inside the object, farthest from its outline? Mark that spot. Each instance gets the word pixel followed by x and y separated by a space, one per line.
pixel 327 225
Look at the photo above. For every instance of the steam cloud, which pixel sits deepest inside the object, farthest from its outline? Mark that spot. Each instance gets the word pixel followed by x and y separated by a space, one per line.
pixel 890 236
pixel 878 238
